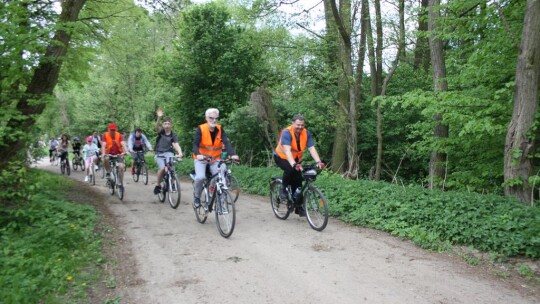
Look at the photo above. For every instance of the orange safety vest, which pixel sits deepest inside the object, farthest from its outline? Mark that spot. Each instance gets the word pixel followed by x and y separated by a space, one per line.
pixel 113 146
pixel 295 150
pixel 206 147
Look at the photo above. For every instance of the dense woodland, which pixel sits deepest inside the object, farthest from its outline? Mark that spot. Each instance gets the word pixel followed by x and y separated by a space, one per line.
pixel 440 93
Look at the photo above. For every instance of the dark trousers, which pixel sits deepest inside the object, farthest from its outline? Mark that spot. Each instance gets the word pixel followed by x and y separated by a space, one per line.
pixel 290 175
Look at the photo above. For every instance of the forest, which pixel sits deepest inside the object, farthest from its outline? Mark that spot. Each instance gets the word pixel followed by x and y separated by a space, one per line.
pixel 437 93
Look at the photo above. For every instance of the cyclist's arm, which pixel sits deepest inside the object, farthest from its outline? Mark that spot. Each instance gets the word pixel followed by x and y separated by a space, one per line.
pixel 314 154
pixel 176 146
pixel 196 142
pixel 130 143
pixel 146 142
pixel 124 145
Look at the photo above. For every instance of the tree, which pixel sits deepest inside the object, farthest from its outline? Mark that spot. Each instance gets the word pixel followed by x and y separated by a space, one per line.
pixel 44 79
pixel 520 137
pixel 440 131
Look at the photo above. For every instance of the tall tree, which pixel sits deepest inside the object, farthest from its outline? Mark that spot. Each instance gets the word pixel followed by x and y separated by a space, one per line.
pixel 421 50
pixel 520 138
pixel 41 85
pixel 440 131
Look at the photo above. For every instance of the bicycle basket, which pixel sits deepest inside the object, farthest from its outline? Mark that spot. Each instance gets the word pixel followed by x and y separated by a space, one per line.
pixel 310 174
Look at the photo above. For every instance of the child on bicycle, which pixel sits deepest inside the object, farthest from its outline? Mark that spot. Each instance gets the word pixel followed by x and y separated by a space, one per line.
pixel 137 142
pixel 90 155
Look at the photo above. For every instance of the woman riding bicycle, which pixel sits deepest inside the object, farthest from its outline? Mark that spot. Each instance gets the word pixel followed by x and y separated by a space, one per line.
pixel 63 147
pixel 207 146
pixel 293 142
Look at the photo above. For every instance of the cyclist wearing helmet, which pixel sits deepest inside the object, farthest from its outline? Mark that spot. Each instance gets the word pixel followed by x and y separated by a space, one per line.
pixel 137 142
pixel 76 147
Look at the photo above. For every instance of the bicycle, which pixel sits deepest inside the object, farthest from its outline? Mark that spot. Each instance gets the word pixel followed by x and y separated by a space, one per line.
pixel 309 196
pixel 77 161
pixel 114 182
pixel 170 184
pixel 92 168
pixel 64 165
pixel 233 184
pixel 55 158
pixel 216 191
pixel 140 168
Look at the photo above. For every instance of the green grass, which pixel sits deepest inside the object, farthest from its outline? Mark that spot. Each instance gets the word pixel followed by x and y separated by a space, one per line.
pixel 50 251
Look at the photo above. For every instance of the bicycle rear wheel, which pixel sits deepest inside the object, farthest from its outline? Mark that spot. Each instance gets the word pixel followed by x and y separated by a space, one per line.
pixel 174 192
pixel 225 214
pixel 316 208
pixel 201 212
pixel 234 187
pixel 137 171
pixel 144 173
pixel 281 209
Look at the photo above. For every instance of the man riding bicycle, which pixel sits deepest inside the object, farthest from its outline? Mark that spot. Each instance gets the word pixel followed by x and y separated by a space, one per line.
pixel 137 141
pixel 113 143
pixel 207 146
pixel 166 144
pixel 293 142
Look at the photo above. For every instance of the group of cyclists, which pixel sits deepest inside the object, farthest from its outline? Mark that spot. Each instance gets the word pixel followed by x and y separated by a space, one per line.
pixel 209 141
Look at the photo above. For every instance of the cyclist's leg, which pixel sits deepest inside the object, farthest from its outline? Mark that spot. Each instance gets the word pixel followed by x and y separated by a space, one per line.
pixel 160 161
pixel 200 176
pixel 287 172
pixel 106 164
pixel 134 157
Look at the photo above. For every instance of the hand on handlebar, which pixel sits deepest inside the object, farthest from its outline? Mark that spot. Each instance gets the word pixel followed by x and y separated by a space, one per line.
pixel 298 167
pixel 321 165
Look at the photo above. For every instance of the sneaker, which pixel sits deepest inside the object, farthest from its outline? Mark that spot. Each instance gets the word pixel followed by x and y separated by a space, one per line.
pixel 157 190
pixel 107 175
pixel 86 178
pixel 300 211
pixel 196 202
pixel 96 167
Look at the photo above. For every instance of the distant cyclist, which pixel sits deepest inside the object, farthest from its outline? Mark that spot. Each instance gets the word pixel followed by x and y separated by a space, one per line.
pixel 113 143
pixel 136 143
pixel 90 151
pixel 76 146
pixel 53 144
pixel 63 147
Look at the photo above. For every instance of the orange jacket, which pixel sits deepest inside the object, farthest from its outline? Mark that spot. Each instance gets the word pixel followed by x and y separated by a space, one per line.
pixel 113 145
pixel 206 147
pixel 295 150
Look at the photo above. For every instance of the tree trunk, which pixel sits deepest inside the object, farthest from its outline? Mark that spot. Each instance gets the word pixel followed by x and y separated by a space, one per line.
pixel 421 51
pixel 261 101
pixel 41 85
pixel 437 158
pixel 520 145
pixel 339 149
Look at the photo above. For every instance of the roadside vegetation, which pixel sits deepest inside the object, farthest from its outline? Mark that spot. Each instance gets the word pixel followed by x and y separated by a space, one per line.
pixel 51 246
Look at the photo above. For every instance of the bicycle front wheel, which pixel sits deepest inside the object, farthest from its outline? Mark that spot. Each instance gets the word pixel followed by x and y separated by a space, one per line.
pixel 68 170
pixel 63 168
pixel 82 164
pixel 144 173
pixel 316 208
pixel 137 171
pixel 102 170
pixel 201 212
pixel 225 214
pixel 74 164
pixel 119 185
pixel 234 187
pixel 93 172
pixel 281 209
pixel 161 194
pixel 174 192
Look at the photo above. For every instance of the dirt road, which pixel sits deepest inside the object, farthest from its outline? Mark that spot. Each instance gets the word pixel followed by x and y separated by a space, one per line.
pixel 168 257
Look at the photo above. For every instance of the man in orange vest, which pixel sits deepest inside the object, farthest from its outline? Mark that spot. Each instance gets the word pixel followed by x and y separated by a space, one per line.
pixel 208 144
pixel 293 142
pixel 166 144
pixel 112 142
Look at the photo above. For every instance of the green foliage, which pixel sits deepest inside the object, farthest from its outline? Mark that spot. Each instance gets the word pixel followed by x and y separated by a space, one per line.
pixel 15 185
pixel 215 65
pixel 46 244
